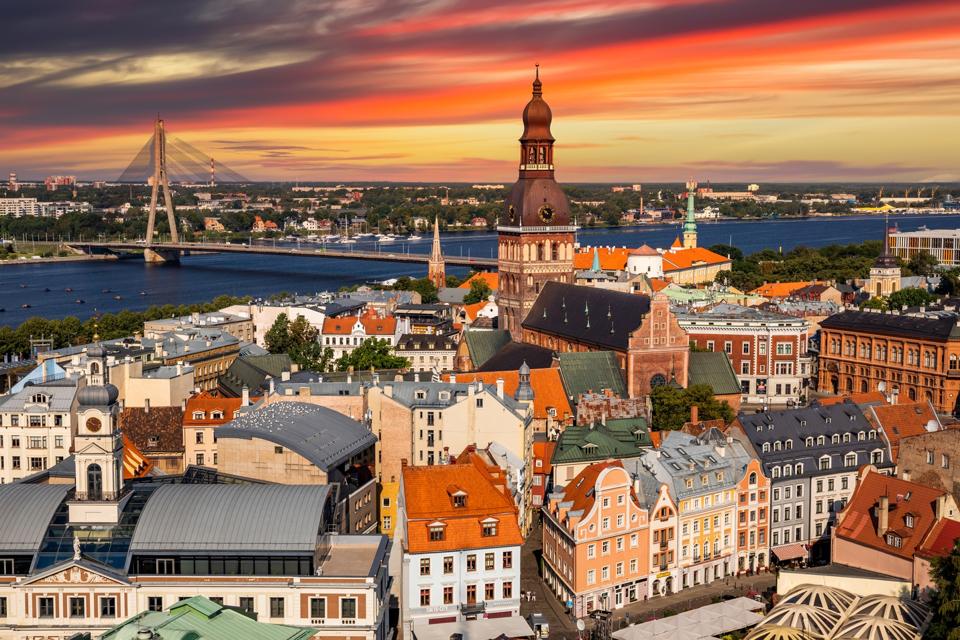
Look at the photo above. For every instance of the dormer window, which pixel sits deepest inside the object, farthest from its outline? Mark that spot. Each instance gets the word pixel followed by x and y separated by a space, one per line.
pixel 489 528
pixel 908 520
pixel 459 499
pixel 421 394
pixel 445 395
pixel 199 415
pixel 437 532
pixel 809 442
pixel 153 441
pixel 39 398
pixel 894 540
pixel 821 440
pixel 216 415
pixel 835 438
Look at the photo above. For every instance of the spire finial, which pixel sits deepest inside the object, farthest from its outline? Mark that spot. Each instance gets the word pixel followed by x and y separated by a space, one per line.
pixel 537 85
pixel 537 65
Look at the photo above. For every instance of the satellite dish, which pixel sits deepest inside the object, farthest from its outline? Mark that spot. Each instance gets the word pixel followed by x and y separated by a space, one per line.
pixel 580 625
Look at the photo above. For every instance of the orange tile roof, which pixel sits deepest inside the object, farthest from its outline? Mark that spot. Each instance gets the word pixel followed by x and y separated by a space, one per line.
pixel 644 250
pixel 547 388
pixel 491 278
pixel 472 309
pixel 676 243
pixel 658 284
pixel 373 325
pixel 428 498
pixel 778 289
pixel 869 397
pixel 656 437
pixel 902 421
pixel 939 542
pixel 543 451
pixel 686 258
pixel 858 522
pixel 208 402
pixel 611 258
pixel 135 464
pixel 581 490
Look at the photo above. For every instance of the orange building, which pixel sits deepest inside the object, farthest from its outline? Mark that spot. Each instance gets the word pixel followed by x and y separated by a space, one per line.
pixel 753 518
pixel 916 357
pixel 204 413
pixel 595 531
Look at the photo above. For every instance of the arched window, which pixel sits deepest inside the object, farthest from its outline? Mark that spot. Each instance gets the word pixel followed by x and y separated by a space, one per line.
pixel 846 437
pixel 835 438
pixel 776 472
pixel 798 469
pixel 864 386
pixel 788 445
pixel 777 446
pixel 94 368
pixel 94 482
pixel 658 380
pixel 912 393
pixel 809 441
pixel 753 478
pixel 786 470
pixel 766 447
pixel 821 441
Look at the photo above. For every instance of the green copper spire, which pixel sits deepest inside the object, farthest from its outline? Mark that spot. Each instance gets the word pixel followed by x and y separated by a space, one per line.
pixel 690 224
pixel 596 260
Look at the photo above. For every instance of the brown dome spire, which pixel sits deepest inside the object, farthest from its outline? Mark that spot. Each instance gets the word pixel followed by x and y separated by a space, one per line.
pixel 537 115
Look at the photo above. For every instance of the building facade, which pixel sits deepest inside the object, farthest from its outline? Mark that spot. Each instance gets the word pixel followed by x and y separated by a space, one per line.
pixel 913 356
pixel 37 426
pixel 768 350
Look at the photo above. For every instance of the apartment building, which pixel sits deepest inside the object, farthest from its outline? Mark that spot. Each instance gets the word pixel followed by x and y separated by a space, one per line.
pixel 595 537
pixel 37 425
pixel 461 542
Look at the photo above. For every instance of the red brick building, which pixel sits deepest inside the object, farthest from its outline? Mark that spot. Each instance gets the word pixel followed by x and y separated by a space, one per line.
pixel 768 350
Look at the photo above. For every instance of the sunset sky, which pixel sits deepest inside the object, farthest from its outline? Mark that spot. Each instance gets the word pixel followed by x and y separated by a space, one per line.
pixel 432 90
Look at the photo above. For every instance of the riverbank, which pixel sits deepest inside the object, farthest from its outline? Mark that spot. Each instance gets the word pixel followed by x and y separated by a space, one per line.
pixel 48 259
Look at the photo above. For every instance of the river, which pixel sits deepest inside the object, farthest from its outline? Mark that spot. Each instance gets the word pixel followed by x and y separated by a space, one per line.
pixel 203 277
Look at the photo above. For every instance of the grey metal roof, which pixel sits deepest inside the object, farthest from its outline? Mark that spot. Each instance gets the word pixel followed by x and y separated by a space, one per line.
pixel 428 394
pixel 60 398
pixel 682 456
pixel 264 517
pixel 323 436
pixel 27 510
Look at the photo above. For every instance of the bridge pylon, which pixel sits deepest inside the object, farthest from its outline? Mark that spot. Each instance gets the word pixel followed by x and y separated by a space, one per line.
pixel 160 180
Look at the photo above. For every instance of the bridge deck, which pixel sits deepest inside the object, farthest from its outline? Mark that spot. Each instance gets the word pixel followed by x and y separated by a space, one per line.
pixel 321 252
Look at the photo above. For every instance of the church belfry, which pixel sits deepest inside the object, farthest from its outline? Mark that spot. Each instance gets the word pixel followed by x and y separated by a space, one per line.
pixel 535 235
pixel 98 458
pixel 436 271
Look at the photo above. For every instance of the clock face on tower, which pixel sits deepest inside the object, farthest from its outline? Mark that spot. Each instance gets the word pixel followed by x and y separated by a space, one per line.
pixel 546 213
pixel 93 424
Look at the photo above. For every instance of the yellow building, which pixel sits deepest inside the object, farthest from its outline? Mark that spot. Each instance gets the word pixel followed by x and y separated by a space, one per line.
pixel 388 507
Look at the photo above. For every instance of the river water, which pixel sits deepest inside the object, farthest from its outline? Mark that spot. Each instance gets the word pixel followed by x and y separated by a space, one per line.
pixel 203 277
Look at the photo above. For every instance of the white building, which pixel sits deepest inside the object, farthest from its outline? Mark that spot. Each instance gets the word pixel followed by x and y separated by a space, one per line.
pixel 19 207
pixel 36 428
pixel 645 261
pixel 461 543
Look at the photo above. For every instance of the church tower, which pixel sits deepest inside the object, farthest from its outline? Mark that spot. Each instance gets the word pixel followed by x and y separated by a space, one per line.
pixel 98 458
pixel 885 272
pixel 436 272
pixel 690 224
pixel 535 235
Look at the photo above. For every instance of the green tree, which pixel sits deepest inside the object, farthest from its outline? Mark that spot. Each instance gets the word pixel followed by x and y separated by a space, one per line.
pixel 671 406
pixel 922 264
pixel 479 291
pixel 911 297
pixel 373 353
pixel 945 572
pixel 727 250
pixel 301 341
pixel 875 303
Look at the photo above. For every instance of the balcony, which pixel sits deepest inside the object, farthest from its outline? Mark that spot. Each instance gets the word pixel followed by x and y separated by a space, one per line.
pixel 473 608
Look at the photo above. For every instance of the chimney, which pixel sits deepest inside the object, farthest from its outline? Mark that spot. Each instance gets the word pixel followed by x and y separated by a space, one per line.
pixel 883 515
pixel 453 378
pixel 179 368
pixel 500 388
pixel 273 386
pixel 285 376
pixel 146 405
pixel 694 414
pixel 245 396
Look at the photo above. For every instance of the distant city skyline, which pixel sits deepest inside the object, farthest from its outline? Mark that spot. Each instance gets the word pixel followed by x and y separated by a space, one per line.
pixel 341 90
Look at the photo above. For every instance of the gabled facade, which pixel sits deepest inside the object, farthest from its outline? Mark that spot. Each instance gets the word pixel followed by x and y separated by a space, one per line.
pixel 461 541
pixel 38 425
pixel 344 334
pixel 595 537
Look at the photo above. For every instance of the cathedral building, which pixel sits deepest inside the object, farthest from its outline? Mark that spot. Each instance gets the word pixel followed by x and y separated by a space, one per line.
pixel 536 236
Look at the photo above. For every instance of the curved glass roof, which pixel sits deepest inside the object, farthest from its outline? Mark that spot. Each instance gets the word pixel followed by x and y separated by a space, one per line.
pixel 830 598
pixel 805 617
pixel 776 632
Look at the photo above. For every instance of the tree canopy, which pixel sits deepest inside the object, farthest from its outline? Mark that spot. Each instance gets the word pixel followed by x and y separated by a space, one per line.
pixel 671 406
pixel 945 603
pixel 301 341
pixel 479 291
pixel 372 353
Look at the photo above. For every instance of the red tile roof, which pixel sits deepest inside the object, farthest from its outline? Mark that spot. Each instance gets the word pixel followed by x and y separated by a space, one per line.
pixel 858 521
pixel 580 491
pixel 869 397
pixel 644 250
pixel 658 284
pixel 611 258
pixel 135 464
pixel 209 402
pixel 491 278
pixel 547 386
pixel 902 421
pixel 681 259
pixel 940 540
pixel 373 325
pixel 428 498
pixel 779 289
pixel 543 451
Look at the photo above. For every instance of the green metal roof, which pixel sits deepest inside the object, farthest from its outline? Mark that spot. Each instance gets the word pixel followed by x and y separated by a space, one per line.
pixel 591 371
pixel 633 431
pixel 580 443
pixel 199 617
pixel 483 344
pixel 251 371
pixel 713 368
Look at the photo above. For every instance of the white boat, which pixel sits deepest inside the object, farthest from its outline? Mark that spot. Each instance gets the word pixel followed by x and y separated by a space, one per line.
pixel 387 238
pixel 348 241
pixel 414 237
